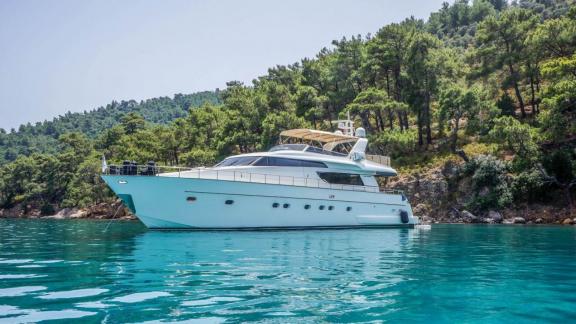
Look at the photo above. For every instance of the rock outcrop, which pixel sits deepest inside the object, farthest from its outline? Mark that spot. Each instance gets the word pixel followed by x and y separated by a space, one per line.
pixel 114 210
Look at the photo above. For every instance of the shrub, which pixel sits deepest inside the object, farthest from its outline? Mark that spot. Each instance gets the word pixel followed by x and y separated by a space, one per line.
pixel 489 183
pixel 529 186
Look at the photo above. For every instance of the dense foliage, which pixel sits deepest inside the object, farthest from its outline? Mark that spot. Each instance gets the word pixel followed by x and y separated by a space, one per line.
pixel 489 71
pixel 42 137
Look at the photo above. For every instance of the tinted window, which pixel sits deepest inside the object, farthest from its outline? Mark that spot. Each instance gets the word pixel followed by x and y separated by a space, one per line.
pixel 277 161
pixel 341 178
pixel 321 151
pixel 238 161
pixel 313 164
pixel 289 147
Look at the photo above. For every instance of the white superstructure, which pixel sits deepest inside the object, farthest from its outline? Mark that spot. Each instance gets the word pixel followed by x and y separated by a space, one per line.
pixel 311 179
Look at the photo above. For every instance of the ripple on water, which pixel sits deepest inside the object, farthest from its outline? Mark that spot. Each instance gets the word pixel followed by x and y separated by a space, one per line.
pixel 49 261
pixel 19 291
pixel 21 276
pixel 139 297
pixel 30 266
pixel 96 305
pixel 210 301
pixel 15 261
pixel 78 293
pixel 33 316
pixel 204 320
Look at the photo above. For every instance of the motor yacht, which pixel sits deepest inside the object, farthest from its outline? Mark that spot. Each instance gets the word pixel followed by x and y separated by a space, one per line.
pixel 311 179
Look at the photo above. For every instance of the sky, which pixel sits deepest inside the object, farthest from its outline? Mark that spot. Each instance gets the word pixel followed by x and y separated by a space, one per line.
pixel 70 55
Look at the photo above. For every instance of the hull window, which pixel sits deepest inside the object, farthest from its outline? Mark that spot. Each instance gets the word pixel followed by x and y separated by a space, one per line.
pixel 348 208
pixel 404 217
pixel 190 199
pixel 341 178
pixel 330 207
pixel 306 206
pixel 321 207
pixel 275 205
pixel 286 205
pixel 229 202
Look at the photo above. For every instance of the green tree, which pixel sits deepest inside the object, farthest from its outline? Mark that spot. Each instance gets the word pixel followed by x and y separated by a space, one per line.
pixel 501 42
pixel 457 103
pixel 518 138
pixel 132 122
pixel 423 76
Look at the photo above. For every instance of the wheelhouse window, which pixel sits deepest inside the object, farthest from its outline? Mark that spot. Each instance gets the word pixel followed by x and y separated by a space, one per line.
pixel 238 161
pixel 341 178
pixel 288 147
pixel 277 161
pixel 318 150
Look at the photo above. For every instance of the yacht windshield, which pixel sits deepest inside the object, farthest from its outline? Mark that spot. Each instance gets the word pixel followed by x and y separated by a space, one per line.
pixel 288 147
pixel 238 161
pixel 314 149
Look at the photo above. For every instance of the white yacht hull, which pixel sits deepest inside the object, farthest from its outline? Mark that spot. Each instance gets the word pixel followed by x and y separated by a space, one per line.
pixel 192 203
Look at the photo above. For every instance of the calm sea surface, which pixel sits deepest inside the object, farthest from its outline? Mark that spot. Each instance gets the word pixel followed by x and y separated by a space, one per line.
pixel 75 271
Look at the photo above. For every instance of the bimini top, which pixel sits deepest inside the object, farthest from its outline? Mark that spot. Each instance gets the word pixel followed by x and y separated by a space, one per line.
pixel 318 136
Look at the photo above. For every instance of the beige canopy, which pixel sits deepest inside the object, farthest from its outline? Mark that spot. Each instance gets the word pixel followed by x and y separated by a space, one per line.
pixel 318 136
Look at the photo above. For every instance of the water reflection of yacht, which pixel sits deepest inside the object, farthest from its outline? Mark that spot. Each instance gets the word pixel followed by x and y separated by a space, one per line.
pixel 311 179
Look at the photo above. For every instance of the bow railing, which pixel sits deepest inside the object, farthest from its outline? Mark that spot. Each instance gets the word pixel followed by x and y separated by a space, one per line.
pixel 237 176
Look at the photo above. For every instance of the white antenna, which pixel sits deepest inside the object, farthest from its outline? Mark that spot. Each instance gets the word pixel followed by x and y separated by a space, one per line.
pixel 346 126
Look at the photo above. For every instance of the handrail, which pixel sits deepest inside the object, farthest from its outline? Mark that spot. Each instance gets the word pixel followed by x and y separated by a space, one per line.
pixel 241 176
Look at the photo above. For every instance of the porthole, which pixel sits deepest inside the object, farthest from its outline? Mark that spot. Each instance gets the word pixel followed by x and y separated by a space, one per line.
pixel 229 202
pixel 286 205
pixel 190 199
pixel 275 205
pixel 330 207
pixel 306 206
pixel 321 207
pixel 348 208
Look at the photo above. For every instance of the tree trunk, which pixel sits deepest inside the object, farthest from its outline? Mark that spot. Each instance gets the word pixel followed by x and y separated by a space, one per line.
pixel 391 119
pixel 427 120
pixel 455 134
pixel 379 120
pixel 517 90
pixel 420 135
pixel 533 95
pixel 400 121
pixel 405 119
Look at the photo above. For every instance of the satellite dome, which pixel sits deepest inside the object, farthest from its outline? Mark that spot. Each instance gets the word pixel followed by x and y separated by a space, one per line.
pixel 338 132
pixel 360 132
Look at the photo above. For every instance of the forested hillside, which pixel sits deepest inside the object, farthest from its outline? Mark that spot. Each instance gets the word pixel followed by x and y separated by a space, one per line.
pixel 42 137
pixel 486 82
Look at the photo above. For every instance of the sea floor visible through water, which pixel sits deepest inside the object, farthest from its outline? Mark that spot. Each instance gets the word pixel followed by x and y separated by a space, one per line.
pixel 75 271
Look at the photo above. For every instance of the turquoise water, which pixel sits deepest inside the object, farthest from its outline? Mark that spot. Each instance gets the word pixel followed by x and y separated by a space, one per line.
pixel 74 271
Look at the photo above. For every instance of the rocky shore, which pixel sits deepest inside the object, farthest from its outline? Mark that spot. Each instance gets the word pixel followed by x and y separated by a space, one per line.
pixel 438 195
pixel 114 210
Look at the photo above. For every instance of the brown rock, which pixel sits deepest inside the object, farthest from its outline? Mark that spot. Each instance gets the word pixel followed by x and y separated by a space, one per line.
pixel 568 221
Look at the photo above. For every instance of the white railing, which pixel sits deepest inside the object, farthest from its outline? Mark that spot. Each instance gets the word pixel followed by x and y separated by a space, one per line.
pixel 240 176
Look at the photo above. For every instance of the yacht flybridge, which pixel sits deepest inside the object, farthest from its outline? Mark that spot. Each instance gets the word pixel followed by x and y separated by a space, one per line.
pixel 312 179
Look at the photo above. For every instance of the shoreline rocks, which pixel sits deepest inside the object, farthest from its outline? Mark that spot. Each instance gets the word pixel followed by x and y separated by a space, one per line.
pixel 114 210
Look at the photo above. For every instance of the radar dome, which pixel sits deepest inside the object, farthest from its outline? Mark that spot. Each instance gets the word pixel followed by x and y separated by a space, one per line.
pixel 338 132
pixel 360 132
